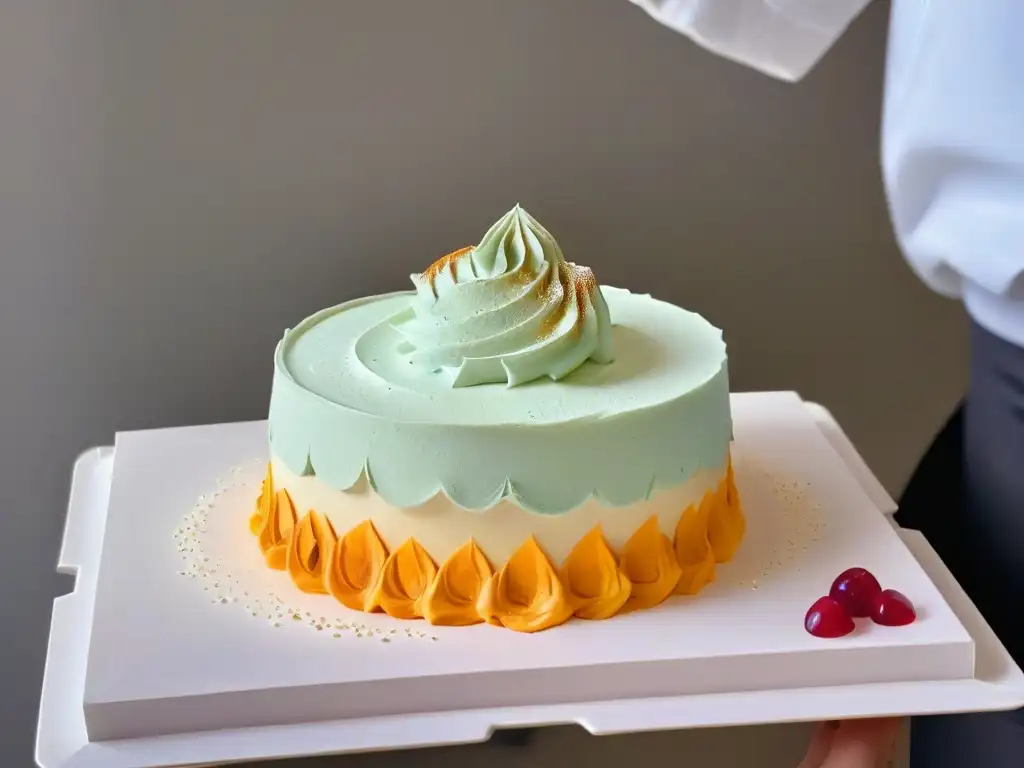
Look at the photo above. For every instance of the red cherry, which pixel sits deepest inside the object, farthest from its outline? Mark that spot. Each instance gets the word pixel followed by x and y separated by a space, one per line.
pixel 828 618
pixel 893 609
pixel 857 590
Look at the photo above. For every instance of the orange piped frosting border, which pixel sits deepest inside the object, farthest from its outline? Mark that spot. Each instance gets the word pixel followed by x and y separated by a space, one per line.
pixel 403 581
pixel 309 552
pixel 527 594
pixel 597 586
pixel 355 567
pixel 451 598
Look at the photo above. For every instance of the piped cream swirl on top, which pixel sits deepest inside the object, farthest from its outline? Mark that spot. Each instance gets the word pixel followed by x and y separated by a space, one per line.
pixel 512 310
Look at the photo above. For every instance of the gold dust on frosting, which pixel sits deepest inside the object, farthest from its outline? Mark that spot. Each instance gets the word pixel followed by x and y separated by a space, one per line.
pixel 524 275
pixel 446 262
pixel 577 285
pixel 542 285
pixel 208 563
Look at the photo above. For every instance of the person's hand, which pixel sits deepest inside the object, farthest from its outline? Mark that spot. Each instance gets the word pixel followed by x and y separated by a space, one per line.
pixel 852 744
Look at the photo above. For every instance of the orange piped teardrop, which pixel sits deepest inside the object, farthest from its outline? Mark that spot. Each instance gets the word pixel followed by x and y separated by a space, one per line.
pixel 596 586
pixel 526 595
pixel 357 561
pixel 406 574
pixel 693 552
pixel 726 525
pixel 451 598
pixel 649 562
pixel 277 529
pixel 276 535
pixel 309 552
pixel 259 518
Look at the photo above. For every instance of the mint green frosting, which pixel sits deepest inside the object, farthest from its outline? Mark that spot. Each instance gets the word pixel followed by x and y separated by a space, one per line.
pixel 510 310
pixel 348 398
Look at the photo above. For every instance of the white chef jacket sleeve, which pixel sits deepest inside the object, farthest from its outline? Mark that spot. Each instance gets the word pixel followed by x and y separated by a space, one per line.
pixel 952 138
pixel 782 38
pixel 953 152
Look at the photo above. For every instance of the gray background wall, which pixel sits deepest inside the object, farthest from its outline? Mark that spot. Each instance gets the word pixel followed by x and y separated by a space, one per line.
pixel 181 180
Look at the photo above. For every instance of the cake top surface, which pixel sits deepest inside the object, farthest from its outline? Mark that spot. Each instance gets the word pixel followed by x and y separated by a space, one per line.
pixel 350 355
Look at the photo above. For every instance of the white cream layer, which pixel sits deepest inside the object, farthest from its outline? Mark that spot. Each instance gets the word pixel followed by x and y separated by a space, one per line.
pixel 441 526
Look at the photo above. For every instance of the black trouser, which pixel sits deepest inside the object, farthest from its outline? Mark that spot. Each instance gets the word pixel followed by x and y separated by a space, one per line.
pixel 967 498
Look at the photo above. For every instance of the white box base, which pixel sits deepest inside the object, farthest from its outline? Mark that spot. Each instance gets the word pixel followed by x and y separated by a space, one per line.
pixel 923 668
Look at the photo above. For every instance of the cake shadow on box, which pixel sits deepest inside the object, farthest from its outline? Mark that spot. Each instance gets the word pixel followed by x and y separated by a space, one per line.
pixel 432 485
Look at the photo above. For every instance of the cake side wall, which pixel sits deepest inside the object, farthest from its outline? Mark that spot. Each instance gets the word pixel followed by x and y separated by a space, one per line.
pixel 441 526
pixel 549 469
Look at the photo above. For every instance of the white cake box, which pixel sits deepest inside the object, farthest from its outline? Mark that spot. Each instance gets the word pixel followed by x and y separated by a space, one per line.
pixel 157 659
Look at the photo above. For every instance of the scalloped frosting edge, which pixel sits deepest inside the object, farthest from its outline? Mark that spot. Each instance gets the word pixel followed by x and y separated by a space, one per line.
pixel 505 491
pixel 527 593
pixel 686 432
